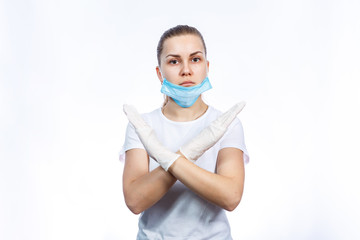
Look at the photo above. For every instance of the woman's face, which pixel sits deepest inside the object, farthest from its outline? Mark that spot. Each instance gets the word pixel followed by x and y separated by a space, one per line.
pixel 183 61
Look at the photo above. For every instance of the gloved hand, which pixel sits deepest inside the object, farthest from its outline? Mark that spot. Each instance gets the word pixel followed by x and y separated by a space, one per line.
pixel 207 138
pixel 148 138
pixel 210 135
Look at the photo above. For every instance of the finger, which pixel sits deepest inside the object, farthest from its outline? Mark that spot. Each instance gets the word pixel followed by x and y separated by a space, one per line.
pixel 134 117
pixel 237 108
pixel 233 112
pixel 226 118
pixel 128 109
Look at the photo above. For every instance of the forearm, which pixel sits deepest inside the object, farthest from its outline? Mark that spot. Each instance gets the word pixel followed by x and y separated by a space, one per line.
pixel 146 190
pixel 221 190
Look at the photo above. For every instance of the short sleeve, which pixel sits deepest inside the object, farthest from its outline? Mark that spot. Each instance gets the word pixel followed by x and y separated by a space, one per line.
pixel 131 141
pixel 234 137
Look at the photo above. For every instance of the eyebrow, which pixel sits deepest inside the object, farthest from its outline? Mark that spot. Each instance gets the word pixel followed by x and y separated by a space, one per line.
pixel 176 55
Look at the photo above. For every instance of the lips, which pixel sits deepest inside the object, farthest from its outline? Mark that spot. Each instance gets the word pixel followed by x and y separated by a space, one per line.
pixel 187 83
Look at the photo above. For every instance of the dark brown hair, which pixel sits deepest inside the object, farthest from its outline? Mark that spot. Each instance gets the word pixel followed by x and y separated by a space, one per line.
pixel 177 31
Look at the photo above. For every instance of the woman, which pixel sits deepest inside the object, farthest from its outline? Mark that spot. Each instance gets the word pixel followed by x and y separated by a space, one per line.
pixel 185 161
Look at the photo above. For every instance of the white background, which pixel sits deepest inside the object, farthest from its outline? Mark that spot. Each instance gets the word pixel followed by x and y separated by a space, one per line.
pixel 67 67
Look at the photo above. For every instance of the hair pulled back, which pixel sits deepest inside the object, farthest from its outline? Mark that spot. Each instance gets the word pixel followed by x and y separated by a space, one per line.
pixel 179 30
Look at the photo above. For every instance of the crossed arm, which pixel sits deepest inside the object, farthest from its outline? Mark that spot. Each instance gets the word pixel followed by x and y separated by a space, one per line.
pixel 142 188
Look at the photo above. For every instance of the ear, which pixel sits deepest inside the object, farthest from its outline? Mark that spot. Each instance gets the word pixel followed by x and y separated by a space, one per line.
pixel 207 64
pixel 158 72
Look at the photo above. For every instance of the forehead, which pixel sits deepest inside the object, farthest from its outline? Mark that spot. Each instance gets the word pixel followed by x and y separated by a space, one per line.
pixel 183 44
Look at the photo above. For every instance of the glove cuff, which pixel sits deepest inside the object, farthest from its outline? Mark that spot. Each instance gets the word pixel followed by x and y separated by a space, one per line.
pixel 168 160
pixel 185 153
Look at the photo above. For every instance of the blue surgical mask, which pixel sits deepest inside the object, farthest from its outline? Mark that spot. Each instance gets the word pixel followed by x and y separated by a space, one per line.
pixel 185 96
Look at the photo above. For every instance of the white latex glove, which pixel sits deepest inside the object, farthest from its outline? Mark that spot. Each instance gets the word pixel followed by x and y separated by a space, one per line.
pixel 210 135
pixel 148 138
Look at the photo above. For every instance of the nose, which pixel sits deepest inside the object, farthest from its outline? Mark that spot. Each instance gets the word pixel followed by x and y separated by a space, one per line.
pixel 186 69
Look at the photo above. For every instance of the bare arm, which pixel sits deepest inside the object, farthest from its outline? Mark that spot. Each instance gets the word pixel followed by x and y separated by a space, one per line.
pixel 223 188
pixel 142 188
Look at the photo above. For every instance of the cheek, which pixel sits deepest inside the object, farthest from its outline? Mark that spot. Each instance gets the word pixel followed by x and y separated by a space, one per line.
pixel 201 69
pixel 170 75
pixel 171 72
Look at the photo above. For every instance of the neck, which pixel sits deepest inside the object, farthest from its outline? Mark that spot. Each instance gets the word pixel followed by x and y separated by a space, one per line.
pixel 176 113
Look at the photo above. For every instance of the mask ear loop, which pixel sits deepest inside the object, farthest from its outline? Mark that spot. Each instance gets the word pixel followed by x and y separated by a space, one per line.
pixel 166 98
pixel 162 76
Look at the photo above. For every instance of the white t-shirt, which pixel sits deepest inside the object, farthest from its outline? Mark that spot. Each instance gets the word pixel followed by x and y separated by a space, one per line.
pixel 180 213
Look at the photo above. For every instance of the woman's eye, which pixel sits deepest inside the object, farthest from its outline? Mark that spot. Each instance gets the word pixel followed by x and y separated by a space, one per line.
pixel 196 59
pixel 173 61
